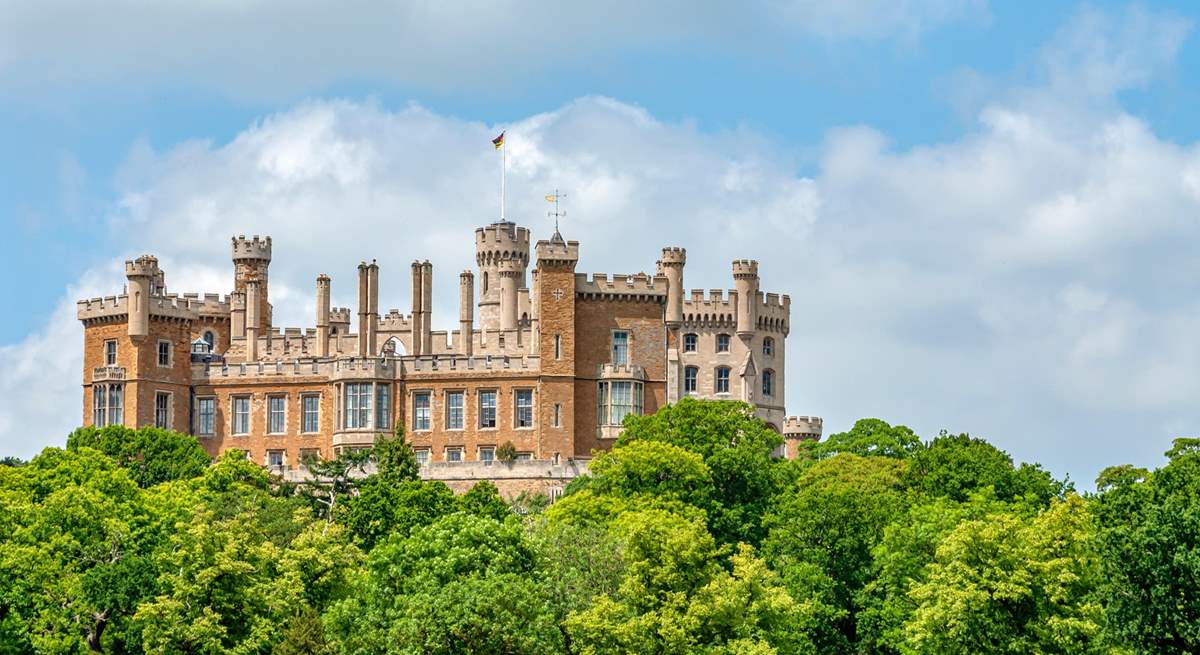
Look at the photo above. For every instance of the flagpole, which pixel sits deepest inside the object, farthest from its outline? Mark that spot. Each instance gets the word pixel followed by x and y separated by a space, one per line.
pixel 503 167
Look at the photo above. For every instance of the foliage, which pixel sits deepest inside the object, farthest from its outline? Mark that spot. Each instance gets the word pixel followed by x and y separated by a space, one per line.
pixel 688 536
pixel 464 584
pixel 151 455
pixel 1004 584
pixel 870 437
pixel 1149 539
pixel 736 447
pixel 958 465
pixel 506 452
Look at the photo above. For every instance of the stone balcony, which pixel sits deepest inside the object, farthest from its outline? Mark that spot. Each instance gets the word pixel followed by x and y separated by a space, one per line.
pixel 108 373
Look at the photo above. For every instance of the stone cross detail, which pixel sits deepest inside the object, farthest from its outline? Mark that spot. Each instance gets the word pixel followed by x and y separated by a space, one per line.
pixel 557 293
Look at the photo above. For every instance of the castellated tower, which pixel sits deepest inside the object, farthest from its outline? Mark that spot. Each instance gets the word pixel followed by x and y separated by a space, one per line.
pixel 745 281
pixel 495 244
pixel 671 265
pixel 251 259
pixel 141 273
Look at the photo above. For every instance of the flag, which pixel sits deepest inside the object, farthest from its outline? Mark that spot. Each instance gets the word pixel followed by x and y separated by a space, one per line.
pixel 551 198
pixel 498 141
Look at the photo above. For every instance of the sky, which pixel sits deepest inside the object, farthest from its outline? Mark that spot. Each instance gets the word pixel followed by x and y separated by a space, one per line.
pixel 985 213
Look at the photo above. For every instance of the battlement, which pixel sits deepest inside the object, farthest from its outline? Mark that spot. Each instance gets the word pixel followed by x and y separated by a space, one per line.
pixel 144 266
pixel 254 248
pixel 394 321
pixel 674 255
pixel 638 284
pixel 802 427
pixel 101 307
pixel 339 315
pixel 745 268
pixel 557 251
pixel 500 235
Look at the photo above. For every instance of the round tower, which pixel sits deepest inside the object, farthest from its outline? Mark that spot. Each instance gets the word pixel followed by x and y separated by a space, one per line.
pixel 251 259
pixel 671 265
pixel 745 281
pixel 141 274
pixel 496 243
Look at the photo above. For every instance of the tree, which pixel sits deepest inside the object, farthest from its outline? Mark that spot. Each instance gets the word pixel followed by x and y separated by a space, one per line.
pixel 1009 585
pixel 74 554
pixel 464 584
pixel 955 466
pixel 231 581
pixel 333 480
pixel 381 508
pixel 151 455
pixel 829 525
pixel 675 597
pixel 1149 538
pixel 736 447
pixel 870 437
pixel 394 458
pixel 484 499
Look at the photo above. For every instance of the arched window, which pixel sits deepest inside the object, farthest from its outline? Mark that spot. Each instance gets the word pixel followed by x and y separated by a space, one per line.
pixel 689 379
pixel 689 343
pixel 768 382
pixel 721 380
pixel 768 346
pixel 210 338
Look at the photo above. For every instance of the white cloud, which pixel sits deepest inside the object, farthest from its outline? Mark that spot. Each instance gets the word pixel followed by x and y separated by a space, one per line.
pixel 268 48
pixel 1031 281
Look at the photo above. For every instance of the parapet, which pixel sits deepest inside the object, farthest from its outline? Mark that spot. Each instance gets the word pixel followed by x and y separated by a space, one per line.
pixel 802 427
pixel 502 237
pixel 144 266
pixel 674 255
pixel 557 251
pixel 638 284
pixel 339 315
pixel 254 248
pixel 745 268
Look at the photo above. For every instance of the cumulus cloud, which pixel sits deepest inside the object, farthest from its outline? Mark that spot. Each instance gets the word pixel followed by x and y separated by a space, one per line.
pixel 1030 281
pixel 263 47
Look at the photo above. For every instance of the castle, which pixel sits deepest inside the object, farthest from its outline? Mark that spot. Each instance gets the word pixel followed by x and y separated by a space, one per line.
pixel 555 362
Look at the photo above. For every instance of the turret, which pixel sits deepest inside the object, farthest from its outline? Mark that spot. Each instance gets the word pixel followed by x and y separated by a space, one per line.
pixel 466 311
pixel 510 272
pixel 251 259
pixel 671 266
pixel 496 243
pixel 339 326
pixel 323 315
pixel 252 319
pixel 745 280
pixel 141 274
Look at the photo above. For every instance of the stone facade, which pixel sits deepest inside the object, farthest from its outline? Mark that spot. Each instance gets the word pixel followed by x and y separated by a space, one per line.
pixel 553 363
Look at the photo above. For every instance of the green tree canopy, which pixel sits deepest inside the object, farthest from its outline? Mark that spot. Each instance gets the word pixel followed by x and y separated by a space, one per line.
pixel 736 447
pixel 151 455
pixel 870 437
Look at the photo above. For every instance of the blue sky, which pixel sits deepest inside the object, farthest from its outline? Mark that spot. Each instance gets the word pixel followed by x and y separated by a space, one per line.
pixel 854 122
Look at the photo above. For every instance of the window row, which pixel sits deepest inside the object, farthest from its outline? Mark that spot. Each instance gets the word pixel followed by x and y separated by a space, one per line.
pixel 486 454
pixel 691 341
pixel 205 414
pixel 721 380
pixel 486 415
pixel 163 353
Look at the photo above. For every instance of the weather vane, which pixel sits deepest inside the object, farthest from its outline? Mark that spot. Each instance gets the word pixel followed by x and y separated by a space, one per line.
pixel 557 214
